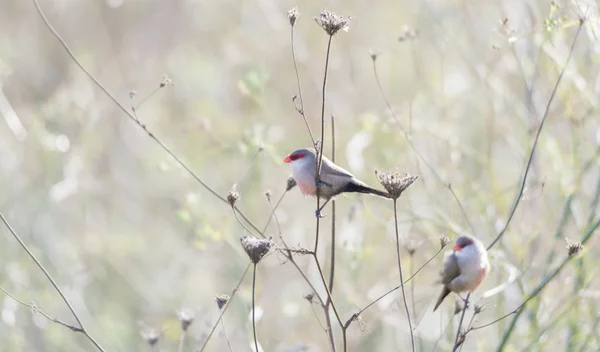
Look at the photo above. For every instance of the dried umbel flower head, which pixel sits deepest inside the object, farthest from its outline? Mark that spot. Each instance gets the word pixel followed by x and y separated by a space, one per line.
pixel 151 336
pixel 221 300
pixel 256 248
pixel 268 195
pixel 409 33
pixel 395 182
pixel 186 317
pixel 573 247
pixel 458 306
pixel 293 15
pixel 411 246
pixel 332 23
pixel 232 197
pixel 165 81
pixel 477 308
pixel 444 240
pixel 291 183
pixel 309 297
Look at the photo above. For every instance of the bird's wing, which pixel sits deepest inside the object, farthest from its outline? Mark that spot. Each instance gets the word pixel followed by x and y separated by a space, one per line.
pixel 334 175
pixel 451 268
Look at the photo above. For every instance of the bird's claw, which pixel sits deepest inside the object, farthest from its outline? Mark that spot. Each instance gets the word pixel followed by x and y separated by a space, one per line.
pixel 319 214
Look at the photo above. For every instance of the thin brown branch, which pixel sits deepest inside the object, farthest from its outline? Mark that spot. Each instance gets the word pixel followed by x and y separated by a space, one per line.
pixel 412 335
pixel 300 110
pixel 36 310
pixel 254 308
pixel 130 114
pixel 54 284
pixel 224 309
pixel 535 140
pixel 458 341
pixel 355 315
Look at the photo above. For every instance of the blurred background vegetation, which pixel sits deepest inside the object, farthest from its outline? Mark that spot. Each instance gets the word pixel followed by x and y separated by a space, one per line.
pixel 131 238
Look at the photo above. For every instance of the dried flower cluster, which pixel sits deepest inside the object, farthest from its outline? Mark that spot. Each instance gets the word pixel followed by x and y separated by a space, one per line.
pixel 291 183
pixel 409 33
pixel 268 195
pixel 395 182
pixel 256 248
pixel 165 81
pixel 444 240
pixel 151 336
pixel 309 297
pixel 573 247
pixel 332 23
pixel 293 14
pixel 232 197
pixel 221 300
pixel 186 317
pixel 411 246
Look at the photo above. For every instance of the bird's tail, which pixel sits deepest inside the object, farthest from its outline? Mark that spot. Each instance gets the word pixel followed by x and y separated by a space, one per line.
pixel 445 292
pixel 362 188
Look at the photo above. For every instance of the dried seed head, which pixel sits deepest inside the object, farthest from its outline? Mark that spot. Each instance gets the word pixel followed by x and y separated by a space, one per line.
pixel 256 248
pixel 151 336
pixel 165 81
pixel 291 183
pixel 411 246
pixel 309 297
pixel 573 247
pixel 477 308
pixel 458 306
pixel 132 94
pixel 332 23
pixel 373 54
pixel 409 33
pixel 444 240
pixel 232 197
pixel 222 300
pixel 186 317
pixel 395 182
pixel 293 14
pixel 268 195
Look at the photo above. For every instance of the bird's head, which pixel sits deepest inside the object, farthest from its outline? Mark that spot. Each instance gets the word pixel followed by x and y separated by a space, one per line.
pixel 462 242
pixel 300 157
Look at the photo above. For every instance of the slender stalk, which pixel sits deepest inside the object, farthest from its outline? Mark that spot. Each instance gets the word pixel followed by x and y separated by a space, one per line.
pixel 535 140
pixel 332 265
pixel 412 295
pixel 181 341
pixel 462 317
pixel 355 315
pixel 412 337
pixel 323 109
pixel 131 115
pixel 224 309
pixel 54 284
pixel 301 109
pixel 254 309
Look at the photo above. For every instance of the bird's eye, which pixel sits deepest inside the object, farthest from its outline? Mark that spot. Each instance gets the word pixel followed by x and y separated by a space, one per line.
pixel 294 157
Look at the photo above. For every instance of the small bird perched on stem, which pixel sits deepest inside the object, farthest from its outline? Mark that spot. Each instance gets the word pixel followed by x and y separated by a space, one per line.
pixel 332 181
pixel 465 267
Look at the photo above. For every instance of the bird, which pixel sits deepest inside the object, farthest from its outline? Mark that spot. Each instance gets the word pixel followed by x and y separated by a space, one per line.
pixel 332 180
pixel 465 267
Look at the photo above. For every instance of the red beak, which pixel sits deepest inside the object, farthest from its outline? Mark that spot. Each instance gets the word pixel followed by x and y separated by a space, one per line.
pixel 456 248
pixel 287 159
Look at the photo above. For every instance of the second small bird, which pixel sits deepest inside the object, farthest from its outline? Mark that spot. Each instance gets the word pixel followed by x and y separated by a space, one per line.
pixel 333 179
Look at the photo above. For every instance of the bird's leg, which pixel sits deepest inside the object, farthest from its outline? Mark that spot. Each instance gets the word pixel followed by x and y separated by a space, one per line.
pixel 318 212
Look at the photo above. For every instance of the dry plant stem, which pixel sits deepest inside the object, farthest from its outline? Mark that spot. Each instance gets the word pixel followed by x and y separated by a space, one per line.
pixel 535 140
pixel 130 114
pixel 273 214
pixel 355 315
pixel 412 297
pixel 518 311
pixel 412 335
pixel 332 256
pixel 225 334
pixel 224 309
pixel 412 145
pixel 254 308
pixel 302 112
pixel 36 309
pixel 323 109
pixel 49 277
pixel 181 341
pixel 468 327
pixel 462 318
